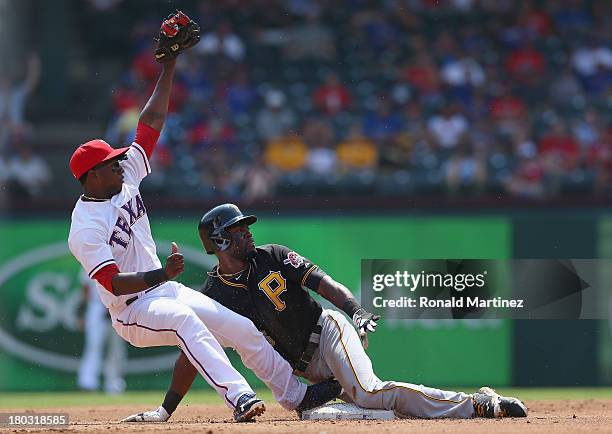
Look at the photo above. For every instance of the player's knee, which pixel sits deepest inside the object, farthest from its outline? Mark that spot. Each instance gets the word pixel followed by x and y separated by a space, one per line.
pixel 362 396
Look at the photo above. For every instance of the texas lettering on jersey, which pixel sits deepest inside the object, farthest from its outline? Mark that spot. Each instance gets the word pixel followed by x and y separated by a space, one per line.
pixel 117 230
pixel 135 209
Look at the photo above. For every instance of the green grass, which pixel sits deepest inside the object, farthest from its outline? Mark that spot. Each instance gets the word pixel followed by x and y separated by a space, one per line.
pixel 142 399
pixel 558 393
pixel 154 398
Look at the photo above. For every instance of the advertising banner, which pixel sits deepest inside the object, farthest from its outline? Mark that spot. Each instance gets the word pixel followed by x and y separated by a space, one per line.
pixel 41 312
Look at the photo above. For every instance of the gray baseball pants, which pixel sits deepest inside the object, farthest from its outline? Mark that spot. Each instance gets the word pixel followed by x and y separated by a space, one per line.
pixel 341 355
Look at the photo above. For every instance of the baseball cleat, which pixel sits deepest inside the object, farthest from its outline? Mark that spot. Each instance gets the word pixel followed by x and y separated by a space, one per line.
pixel 485 405
pixel 319 394
pixel 248 407
pixel 159 415
pixel 508 406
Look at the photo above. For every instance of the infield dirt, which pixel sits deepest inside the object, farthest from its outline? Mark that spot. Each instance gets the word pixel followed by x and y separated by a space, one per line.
pixel 545 416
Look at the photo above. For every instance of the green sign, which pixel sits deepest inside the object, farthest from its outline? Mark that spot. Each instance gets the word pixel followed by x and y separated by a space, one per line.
pixel 40 321
pixel 605 337
pixel 41 337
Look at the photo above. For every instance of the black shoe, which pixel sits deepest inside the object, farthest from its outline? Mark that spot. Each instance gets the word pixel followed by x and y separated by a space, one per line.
pixel 319 394
pixel 508 406
pixel 485 405
pixel 248 407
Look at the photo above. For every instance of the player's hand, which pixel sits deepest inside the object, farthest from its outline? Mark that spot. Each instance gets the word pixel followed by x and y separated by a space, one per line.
pixel 159 415
pixel 365 322
pixel 175 263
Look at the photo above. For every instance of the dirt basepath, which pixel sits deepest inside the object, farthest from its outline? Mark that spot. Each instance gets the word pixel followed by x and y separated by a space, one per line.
pixel 545 416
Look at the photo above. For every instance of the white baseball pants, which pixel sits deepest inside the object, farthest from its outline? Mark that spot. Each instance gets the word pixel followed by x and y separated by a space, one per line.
pixel 173 314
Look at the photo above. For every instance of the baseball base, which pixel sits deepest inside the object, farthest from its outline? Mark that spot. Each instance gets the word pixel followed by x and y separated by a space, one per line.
pixel 344 411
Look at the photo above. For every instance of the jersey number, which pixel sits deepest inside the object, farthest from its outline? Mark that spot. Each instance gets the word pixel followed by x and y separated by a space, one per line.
pixel 273 285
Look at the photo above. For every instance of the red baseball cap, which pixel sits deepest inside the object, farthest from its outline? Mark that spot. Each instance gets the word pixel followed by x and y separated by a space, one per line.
pixel 91 154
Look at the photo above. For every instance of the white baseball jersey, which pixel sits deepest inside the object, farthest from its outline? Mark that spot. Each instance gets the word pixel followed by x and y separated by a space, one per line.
pixel 115 230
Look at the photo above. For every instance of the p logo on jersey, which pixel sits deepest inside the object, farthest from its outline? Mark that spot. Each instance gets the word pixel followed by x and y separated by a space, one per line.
pixel 293 259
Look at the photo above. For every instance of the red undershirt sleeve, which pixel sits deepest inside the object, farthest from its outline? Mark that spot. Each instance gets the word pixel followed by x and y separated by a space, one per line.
pixel 105 276
pixel 146 137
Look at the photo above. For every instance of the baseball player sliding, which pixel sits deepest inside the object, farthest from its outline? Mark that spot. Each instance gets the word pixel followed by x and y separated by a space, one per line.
pixel 111 237
pixel 266 284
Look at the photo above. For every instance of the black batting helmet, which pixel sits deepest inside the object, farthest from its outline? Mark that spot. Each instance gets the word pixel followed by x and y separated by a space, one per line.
pixel 215 223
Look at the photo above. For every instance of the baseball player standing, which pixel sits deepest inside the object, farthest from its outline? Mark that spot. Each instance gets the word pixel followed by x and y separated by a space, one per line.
pixel 266 284
pixel 111 237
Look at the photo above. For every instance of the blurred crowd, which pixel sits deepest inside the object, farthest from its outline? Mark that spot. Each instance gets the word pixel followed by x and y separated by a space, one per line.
pixel 23 173
pixel 394 97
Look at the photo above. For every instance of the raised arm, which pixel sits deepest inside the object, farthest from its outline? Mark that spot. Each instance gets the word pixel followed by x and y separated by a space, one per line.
pixel 156 109
pixel 178 32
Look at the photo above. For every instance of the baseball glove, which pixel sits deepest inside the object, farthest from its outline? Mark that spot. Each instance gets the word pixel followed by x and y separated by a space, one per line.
pixel 178 32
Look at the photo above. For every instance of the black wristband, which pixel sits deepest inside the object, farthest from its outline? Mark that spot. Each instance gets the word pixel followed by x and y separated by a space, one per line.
pixel 171 401
pixel 155 277
pixel 350 307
